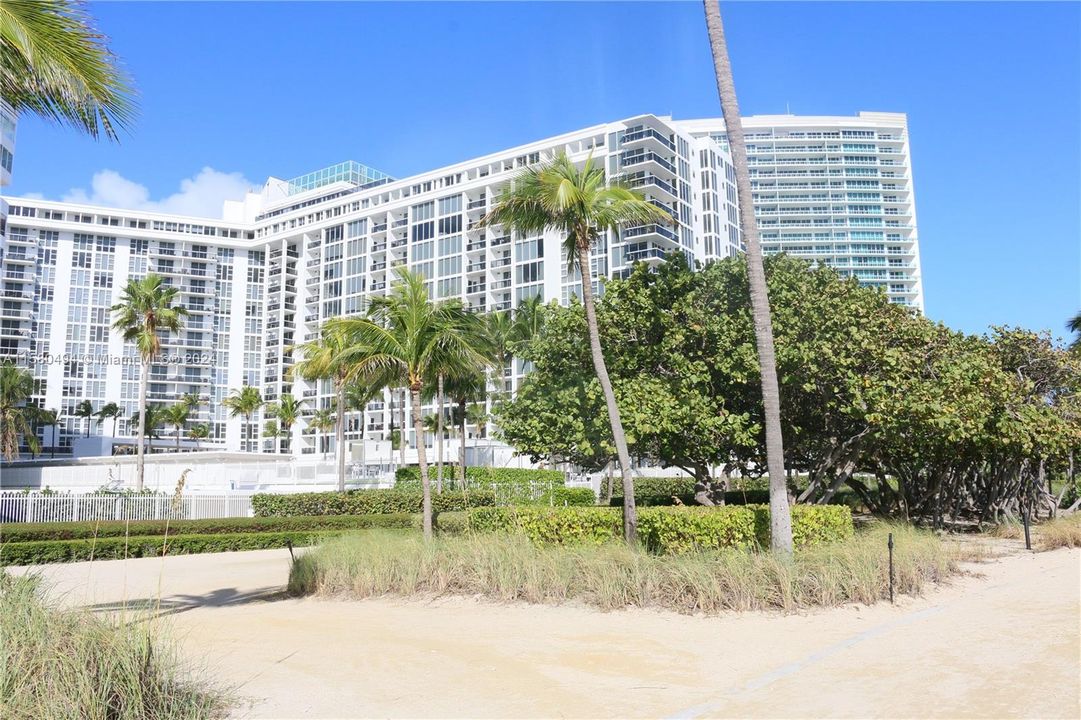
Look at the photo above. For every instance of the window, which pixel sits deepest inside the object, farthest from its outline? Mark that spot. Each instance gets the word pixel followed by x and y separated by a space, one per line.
pixel 450 225
pixel 450 245
pixel 450 205
pixel 529 272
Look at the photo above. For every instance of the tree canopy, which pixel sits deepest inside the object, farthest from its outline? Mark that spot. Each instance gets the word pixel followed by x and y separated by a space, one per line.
pixel 950 423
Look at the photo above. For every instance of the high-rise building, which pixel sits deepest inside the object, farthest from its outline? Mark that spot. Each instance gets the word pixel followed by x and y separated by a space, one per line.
pixel 837 190
pixel 282 261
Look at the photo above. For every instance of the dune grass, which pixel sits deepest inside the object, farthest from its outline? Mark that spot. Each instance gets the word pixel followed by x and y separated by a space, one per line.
pixel 58 664
pixel 510 568
pixel 1062 532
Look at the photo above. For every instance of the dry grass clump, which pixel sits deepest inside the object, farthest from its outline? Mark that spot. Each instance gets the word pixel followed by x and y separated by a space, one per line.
pixel 611 576
pixel 71 664
pixel 1063 532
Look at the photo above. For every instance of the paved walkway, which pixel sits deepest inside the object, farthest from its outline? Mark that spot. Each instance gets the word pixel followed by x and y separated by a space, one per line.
pixel 998 646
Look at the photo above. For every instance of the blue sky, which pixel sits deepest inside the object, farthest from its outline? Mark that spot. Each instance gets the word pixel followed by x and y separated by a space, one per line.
pixel 259 89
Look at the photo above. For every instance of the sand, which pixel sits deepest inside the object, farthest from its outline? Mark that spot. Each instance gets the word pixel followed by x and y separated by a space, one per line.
pixel 1003 644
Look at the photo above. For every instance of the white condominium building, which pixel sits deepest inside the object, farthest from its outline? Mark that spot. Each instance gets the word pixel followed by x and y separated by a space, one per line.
pixel 837 190
pixel 285 259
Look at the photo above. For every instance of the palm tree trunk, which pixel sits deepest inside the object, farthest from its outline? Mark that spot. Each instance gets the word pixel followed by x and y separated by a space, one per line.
pixel 439 438
pixel 402 425
pixel 341 437
pixel 461 447
pixel 178 438
pixel 143 377
pixel 630 514
pixel 422 461
pixel 780 513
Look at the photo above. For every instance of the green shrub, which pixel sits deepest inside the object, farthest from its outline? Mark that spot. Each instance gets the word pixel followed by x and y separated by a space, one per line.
pixel 561 496
pixel 650 491
pixel 563 525
pixel 116 548
pixel 676 530
pixel 27 532
pixel 817 524
pixel 661 529
pixel 364 502
pixel 512 486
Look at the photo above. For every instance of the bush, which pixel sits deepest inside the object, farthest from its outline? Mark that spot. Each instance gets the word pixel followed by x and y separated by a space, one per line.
pixel 649 491
pixel 676 530
pixel 117 548
pixel 661 529
pixel 561 496
pixel 77 664
pixel 612 576
pixel 28 532
pixel 512 486
pixel 364 502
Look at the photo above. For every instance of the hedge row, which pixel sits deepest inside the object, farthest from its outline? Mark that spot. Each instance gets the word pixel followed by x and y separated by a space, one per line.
pixel 649 491
pixel 560 496
pixel 661 529
pixel 32 532
pixel 409 477
pixel 364 502
pixel 115 548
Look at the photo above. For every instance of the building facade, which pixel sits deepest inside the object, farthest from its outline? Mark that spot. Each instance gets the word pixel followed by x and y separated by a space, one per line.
pixel 285 259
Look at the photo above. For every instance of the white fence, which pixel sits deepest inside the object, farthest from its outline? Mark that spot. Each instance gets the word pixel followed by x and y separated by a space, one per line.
pixel 54 507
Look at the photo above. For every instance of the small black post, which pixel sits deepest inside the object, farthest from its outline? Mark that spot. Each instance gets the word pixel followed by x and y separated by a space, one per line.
pixel 1028 538
pixel 890 544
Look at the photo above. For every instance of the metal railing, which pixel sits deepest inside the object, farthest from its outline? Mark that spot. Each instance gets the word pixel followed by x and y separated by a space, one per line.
pixel 75 507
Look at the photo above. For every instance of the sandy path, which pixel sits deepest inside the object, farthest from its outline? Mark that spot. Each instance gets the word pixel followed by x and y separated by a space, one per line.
pixel 1003 645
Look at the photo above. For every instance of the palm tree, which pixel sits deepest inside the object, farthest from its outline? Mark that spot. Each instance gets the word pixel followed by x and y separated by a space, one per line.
pixel 16 387
pixel 199 432
pixel 528 322
pixel 323 359
pixel 191 400
pixel 1074 326
pixel 148 422
pixel 245 402
pixel 579 204
pixel 287 410
pixel 177 415
pixel 406 339
pixel 780 513
pixel 110 410
pixel 322 421
pixel 59 68
pixel 464 388
pixel 51 419
pixel 85 410
pixel 146 309
pixel 357 396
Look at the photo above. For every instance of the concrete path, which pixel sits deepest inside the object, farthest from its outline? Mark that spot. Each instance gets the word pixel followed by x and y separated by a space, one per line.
pixel 1002 645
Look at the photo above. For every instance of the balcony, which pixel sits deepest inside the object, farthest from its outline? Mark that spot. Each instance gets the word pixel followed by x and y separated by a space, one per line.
pixel 476 267
pixel 501 240
pixel 650 229
pixel 649 181
pixel 379 228
pixel 644 136
pixel 641 157
pixel 478 204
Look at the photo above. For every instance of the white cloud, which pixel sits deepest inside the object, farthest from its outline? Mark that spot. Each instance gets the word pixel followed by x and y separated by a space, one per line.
pixel 201 196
